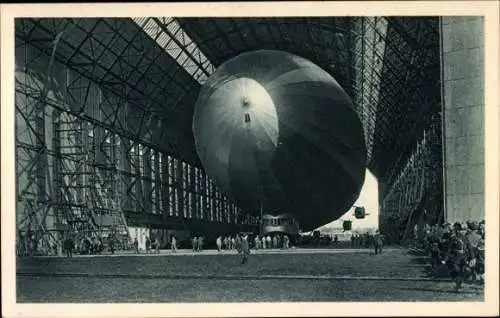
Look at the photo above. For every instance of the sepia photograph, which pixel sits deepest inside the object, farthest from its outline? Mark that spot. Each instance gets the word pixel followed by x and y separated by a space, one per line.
pixel 204 159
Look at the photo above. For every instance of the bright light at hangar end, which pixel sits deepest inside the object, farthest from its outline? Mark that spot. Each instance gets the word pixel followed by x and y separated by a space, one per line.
pixel 368 198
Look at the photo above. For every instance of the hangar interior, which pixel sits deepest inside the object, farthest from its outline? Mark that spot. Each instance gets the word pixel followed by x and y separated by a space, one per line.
pixel 104 110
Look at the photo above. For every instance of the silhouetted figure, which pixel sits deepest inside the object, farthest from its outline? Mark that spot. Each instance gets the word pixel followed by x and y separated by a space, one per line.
pixel 256 242
pixel 200 243
pixel 148 244
pixel 157 246
pixel 378 243
pixel 237 243
pixel 457 257
pixel 68 247
pixel 194 243
pixel 245 249
pixel 286 242
pixel 218 242
pixel 112 244
pixel 136 246
pixel 173 244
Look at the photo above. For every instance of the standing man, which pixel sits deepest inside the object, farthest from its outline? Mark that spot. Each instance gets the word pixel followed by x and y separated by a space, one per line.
pixel 194 243
pixel 136 246
pixel 480 260
pixel 148 244
pixel 287 242
pixel 232 243
pixel 378 242
pixel 112 244
pixel 245 249
pixel 200 243
pixel 257 242
pixel 472 239
pixel 157 245
pixel 68 246
pixel 173 244
pixel 218 242
pixel 237 243
pixel 456 257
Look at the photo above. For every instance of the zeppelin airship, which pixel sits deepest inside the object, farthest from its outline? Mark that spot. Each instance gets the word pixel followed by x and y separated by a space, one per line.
pixel 279 135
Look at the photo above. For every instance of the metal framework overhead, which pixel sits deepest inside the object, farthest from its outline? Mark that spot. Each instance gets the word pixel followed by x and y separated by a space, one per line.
pixel 121 58
pixel 389 66
pixel 97 149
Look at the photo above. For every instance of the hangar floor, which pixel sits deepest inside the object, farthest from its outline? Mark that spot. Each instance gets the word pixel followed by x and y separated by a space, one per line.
pixel 210 276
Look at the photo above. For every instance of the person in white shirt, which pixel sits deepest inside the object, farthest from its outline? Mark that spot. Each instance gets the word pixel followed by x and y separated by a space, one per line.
pixel 286 242
pixel 218 241
pixel 173 244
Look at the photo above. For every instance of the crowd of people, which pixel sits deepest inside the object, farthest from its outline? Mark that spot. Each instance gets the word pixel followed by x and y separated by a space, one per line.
pixel 258 242
pixel 88 245
pixel 240 243
pixel 151 246
pixel 365 240
pixel 457 248
pixel 197 243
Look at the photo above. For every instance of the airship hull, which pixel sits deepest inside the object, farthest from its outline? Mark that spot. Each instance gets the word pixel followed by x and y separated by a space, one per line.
pixel 279 135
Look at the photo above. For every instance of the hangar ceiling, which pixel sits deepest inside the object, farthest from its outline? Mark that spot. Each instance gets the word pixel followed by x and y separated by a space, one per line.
pixel 388 65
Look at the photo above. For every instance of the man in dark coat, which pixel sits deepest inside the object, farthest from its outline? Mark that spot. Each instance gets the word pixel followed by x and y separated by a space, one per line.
pixel 378 242
pixel 68 246
pixel 456 257
pixel 237 245
pixel 472 240
pixel 194 243
pixel 111 242
pixel 136 246
pixel 245 249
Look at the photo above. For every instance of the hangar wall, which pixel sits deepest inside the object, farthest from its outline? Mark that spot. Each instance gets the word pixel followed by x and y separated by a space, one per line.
pixel 463 91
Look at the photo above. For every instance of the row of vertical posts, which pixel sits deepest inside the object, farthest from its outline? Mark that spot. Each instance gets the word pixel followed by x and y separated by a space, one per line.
pixel 416 193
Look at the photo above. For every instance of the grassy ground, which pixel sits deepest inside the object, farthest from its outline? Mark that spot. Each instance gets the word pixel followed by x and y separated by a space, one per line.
pixel 204 279
pixel 94 290
pixel 393 263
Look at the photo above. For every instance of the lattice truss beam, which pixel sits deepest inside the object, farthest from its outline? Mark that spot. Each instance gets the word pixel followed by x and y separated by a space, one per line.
pixel 407 154
pixel 409 94
pixel 416 196
pixel 127 65
pixel 145 74
pixel 88 157
pixel 385 64
pixel 323 40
